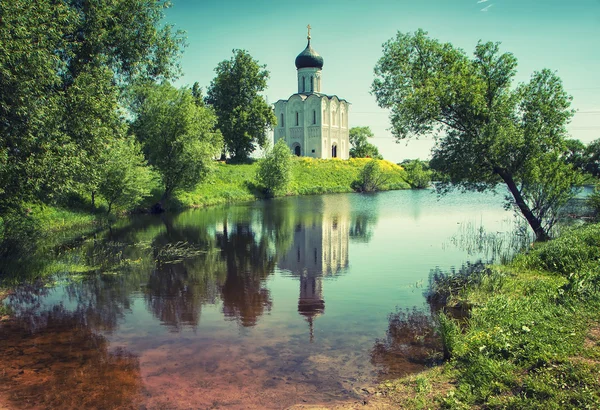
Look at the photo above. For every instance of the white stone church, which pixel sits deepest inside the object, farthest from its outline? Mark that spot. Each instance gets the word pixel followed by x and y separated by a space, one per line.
pixel 313 124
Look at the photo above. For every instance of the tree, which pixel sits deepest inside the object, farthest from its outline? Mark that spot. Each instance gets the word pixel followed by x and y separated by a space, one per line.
pixel 575 154
pixel 418 173
pixel 371 178
pixel 275 169
pixel 243 115
pixel 178 137
pixel 361 148
pixel 486 131
pixel 63 66
pixel 592 158
pixel 125 178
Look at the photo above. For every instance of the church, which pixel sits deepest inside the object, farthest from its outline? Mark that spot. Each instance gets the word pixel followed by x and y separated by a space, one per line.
pixel 313 124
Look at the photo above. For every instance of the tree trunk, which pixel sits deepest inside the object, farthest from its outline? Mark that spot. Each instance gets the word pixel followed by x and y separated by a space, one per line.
pixel 534 222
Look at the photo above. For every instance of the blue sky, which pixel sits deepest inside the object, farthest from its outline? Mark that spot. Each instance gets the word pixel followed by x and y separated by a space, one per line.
pixel 563 35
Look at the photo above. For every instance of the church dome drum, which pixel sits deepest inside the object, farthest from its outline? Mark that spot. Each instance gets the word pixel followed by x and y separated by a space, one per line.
pixel 309 58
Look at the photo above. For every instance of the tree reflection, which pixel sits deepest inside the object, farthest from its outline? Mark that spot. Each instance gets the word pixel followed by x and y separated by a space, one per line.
pixel 248 262
pixel 54 360
pixel 361 226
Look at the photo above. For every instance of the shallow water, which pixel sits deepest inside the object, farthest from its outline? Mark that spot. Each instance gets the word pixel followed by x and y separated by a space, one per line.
pixel 261 305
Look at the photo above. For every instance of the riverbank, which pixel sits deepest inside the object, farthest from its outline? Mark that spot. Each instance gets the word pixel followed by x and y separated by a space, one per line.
pixel 237 183
pixel 532 339
pixel 229 184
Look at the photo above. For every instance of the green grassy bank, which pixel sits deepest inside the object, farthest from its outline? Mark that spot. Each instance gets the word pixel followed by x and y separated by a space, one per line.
pixel 237 183
pixel 532 339
pixel 227 184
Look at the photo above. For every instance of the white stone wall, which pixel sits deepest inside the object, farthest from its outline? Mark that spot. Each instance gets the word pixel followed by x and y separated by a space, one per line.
pixel 315 123
pixel 309 80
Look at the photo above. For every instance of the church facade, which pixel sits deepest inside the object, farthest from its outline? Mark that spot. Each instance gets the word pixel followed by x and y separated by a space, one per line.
pixel 313 124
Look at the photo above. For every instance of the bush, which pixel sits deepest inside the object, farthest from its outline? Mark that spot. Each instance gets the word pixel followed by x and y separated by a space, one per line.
pixel 370 178
pixel 593 200
pixel 418 174
pixel 566 255
pixel 275 169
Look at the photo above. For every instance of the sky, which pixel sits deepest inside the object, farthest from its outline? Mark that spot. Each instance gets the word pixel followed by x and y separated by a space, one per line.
pixel 562 35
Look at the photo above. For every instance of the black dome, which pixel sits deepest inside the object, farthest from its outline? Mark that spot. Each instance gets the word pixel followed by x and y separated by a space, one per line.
pixel 309 58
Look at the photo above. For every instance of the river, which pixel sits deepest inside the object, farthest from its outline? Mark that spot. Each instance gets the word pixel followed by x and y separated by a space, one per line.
pixel 258 305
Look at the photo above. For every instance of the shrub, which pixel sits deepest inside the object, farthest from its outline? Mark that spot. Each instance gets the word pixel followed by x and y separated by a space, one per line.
pixel 418 174
pixel 274 171
pixel 370 178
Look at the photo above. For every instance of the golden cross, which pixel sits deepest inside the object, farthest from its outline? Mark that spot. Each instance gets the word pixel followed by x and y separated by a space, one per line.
pixel 308 27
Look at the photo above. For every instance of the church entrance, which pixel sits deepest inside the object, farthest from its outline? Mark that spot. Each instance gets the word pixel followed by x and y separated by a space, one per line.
pixel 297 149
pixel 334 151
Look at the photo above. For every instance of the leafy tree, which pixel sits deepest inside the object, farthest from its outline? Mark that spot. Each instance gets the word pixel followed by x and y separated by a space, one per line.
pixel 178 137
pixel 125 178
pixel 371 178
pixel 361 148
pixel 197 94
pixel 243 115
pixel 62 68
pixel 34 150
pixel 418 173
pixel 575 154
pixel 592 158
pixel 275 169
pixel 487 132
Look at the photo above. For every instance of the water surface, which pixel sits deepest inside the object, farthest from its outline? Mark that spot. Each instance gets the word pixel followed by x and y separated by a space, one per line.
pixel 261 305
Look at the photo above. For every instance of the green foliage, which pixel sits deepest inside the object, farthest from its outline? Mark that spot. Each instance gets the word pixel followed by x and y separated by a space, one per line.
pixel 418 173
pixel 125 178
pixel 236 183
pixel 594 200
pixel 523 343
pixel 371 178
pixel 178 136
pixel 585 159
pixel 489 132
pixel 243 115
pixel 449 332
pixel 361 148
pixel 63 69
pixel 275 169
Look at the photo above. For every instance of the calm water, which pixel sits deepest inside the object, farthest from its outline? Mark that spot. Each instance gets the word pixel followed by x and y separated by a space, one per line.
pixel 261 305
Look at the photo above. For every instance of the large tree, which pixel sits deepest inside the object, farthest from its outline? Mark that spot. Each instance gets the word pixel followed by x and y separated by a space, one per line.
pixel 63 65
pixel 178 136
pixel 487 131
pixel 361 147
pixel 243 114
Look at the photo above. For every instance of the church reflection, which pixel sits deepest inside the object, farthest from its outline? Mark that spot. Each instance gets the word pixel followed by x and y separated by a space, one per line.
pixel 319 249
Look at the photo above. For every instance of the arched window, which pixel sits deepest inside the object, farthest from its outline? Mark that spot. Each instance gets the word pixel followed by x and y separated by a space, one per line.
pixel 314 117
pixel 311 84
pixel 297 150
pixel 297 119
pixel 342 122
pixel 303 84
pixel 334 151
pixel 282 124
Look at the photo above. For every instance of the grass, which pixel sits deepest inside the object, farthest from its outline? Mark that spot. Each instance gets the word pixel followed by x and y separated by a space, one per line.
pixel 532 339
pixel 237 183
